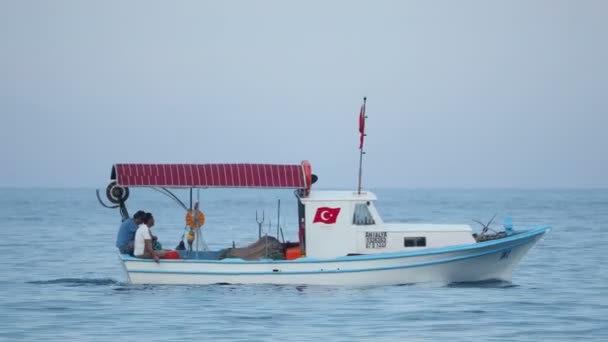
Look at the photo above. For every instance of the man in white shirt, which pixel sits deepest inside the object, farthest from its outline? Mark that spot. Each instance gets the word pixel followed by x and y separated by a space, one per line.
pixel 143 240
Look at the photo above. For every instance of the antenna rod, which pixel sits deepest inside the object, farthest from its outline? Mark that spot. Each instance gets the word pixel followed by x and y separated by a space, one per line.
pixel 278 216
pixel 362 118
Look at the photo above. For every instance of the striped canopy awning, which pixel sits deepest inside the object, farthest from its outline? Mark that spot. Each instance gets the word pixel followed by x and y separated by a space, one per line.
pixel 213 175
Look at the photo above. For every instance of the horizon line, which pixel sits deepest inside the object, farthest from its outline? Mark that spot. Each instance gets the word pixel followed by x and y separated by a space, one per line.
pixel 338 188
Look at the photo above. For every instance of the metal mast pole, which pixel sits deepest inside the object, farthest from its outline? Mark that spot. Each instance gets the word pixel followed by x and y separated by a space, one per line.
pixel 362 131
pixel 278 216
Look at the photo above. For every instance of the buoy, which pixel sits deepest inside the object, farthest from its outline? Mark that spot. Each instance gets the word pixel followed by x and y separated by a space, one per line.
pixel 195 218
pixel 190 237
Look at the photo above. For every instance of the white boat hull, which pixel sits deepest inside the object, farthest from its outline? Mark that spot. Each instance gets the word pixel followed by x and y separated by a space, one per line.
pixel 490 260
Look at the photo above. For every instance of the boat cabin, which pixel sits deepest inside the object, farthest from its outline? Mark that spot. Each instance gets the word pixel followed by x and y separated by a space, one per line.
pixel 342 223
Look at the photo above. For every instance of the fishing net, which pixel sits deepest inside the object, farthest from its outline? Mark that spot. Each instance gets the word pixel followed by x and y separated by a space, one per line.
pixel 265 248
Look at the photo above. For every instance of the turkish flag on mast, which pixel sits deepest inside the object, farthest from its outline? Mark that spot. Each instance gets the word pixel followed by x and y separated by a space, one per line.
pixel 362 125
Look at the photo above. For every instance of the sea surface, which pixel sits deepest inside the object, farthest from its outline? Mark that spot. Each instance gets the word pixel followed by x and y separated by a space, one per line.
pixel 61 279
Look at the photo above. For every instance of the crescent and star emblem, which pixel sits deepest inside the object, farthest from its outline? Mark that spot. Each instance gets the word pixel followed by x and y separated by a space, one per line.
pixel 326 215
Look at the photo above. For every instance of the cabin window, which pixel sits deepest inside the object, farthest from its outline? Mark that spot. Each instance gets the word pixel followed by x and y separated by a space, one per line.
pixel 362 216
pixel 414 241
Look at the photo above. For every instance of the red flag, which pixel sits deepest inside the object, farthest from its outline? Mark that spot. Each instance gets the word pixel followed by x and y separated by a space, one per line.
pixel 326 215
pixel 362 125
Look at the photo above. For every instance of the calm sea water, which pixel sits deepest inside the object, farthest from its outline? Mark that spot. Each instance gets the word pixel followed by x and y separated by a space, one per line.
pixel 60 277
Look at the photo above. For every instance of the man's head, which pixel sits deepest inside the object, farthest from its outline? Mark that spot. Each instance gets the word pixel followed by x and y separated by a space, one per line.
pixel 139 217
pixel 148 220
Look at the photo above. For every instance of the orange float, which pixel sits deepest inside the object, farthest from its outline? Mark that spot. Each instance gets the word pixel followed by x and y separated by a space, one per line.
pixel 195 218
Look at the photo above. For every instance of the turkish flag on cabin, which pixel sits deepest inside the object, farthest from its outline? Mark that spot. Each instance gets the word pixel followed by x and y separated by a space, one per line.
pixel 362 125
pixel 326 215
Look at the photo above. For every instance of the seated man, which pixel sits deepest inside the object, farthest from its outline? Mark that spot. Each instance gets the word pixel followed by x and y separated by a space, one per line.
pixel 126 233
pixel 143 240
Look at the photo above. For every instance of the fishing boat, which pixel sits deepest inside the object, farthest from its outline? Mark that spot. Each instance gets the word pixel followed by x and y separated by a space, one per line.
pixel 342 239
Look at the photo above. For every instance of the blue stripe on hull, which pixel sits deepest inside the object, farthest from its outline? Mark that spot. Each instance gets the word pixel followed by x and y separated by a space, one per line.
pixel 382 256
pixel 412 265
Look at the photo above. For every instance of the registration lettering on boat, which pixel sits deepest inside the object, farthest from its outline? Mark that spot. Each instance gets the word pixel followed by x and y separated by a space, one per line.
pixel 375 240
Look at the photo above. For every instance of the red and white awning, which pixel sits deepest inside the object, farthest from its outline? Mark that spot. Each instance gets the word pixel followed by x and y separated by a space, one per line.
pixel 213 175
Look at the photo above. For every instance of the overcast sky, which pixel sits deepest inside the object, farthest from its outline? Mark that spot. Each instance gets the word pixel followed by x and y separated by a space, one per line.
pixel 460 93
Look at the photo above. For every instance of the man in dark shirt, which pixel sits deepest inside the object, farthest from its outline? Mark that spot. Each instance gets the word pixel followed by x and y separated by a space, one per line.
pixel 126 234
